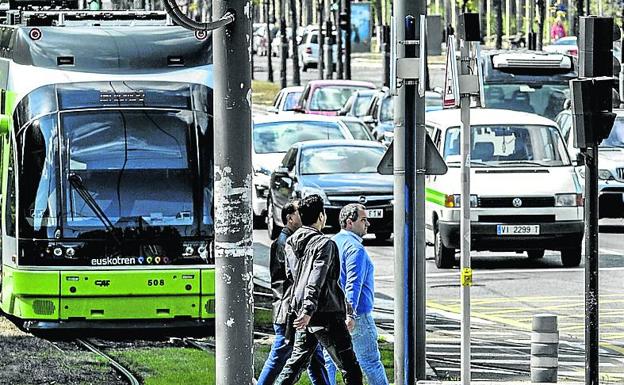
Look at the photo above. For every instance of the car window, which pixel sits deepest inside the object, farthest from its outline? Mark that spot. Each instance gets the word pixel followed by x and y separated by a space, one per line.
pixel 358 130
pixel 387 110
pixel 276 101
pixel 498 145
pixel 331 98
pixel 543 99
pixel 288 158
pixel 616 137
pixel 291 100
pixel 361 104
pixel 280 136
pixel 340 160
pixel 314 38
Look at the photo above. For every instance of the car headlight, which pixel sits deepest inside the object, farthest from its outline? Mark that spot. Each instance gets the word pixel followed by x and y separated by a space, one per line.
pixel 307 191
pixel 568 200
pixel 605 175
pixel 454 201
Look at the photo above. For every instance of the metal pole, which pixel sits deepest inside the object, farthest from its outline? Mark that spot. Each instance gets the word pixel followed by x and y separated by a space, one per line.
pixel 329 65
pixel 321 39
pixel 295 53
pixel 464 224
pixel 400 214
pixel 410 213
pixel 348 41
pixel 233 216
pixel 340 65
pixel 587 7
pixel 386 55
pixel 283 43
pixel 268 39
pixel 592 334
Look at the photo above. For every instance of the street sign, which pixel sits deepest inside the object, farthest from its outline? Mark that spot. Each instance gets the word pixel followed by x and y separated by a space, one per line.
pixel 450 98
pixel 434 164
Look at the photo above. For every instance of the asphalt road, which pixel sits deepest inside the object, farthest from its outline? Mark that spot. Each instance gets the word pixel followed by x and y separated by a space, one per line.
pixel 508 290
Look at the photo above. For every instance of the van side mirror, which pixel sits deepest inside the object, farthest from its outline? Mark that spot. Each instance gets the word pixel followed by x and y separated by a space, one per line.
pixel 5 124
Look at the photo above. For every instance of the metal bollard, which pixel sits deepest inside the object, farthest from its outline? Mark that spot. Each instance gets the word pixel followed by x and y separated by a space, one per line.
pixel 544 348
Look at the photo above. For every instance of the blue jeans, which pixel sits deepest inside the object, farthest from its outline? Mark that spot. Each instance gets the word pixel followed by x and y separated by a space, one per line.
pixel 280 352
pixel 364 337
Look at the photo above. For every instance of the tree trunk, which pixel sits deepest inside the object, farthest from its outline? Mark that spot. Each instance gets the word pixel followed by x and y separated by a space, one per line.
pixel 541 8
pixel 498 6
pixel 483 19
pixel 295 44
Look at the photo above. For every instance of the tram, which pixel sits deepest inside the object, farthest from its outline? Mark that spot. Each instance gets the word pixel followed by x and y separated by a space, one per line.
pixel 107 171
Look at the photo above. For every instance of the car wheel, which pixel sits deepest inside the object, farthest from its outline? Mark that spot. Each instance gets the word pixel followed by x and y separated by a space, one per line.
pixel 444 256
pixel 571 257
pixel 272 227
pixel 382 236
pixel 535 254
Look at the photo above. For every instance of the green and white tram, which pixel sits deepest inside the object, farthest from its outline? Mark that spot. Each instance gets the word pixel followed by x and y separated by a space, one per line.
pixel 107 173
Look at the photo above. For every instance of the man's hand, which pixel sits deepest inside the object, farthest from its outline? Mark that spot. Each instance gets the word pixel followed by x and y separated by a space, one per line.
pixel 350 324
pixel 302 321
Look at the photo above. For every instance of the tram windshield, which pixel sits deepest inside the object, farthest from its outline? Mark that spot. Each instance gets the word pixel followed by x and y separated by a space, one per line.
pixel 139 169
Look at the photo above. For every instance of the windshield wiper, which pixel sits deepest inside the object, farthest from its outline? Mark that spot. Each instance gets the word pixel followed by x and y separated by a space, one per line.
pixel 473 163
pixel 522 162
pixel 76 182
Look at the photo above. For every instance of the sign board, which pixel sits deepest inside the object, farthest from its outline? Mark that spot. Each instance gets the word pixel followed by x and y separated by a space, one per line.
pixel 450 97
pixel 434 164
pixel 361 27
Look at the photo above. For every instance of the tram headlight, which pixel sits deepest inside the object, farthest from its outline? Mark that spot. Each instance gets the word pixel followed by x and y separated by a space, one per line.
pixel 70 252
pixel 58 251
pixel 188 251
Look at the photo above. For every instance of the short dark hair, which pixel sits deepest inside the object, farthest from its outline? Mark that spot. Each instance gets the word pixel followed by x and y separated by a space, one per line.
pixel 350 211
pixel 310 208
pixel 289 208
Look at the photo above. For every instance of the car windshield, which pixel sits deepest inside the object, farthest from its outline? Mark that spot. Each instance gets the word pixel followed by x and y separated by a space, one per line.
pixel 358 130
pixel 616 137
pixel 543 99
pixel 565 42
pixel 279 136
pixel 340 160
pixel 361 104
pixel 291 100
pixel 502 145
pixel 331 98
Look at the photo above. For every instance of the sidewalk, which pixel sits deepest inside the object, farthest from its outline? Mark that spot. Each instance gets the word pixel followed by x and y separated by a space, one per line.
pixel 377 57
pixel 494 383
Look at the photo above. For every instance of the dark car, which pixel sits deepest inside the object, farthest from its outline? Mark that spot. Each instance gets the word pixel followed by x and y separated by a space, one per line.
pixel 342 172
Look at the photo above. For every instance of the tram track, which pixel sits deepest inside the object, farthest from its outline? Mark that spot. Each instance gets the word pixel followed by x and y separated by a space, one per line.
pixel 119 368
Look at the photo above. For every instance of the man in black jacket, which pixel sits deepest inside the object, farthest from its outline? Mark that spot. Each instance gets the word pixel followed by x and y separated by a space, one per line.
pixel 319 302
pixel 281 284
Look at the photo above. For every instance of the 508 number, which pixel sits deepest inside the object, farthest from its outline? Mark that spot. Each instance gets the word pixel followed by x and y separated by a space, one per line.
pixel 155 282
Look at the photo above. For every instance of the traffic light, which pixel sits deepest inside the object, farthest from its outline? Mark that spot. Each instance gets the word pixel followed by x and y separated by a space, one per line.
pixel 343 21
pixel 592 116
pixel 595 46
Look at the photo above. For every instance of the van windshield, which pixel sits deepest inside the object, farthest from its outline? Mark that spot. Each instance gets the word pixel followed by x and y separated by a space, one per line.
pixel 543 99
pixel 509 145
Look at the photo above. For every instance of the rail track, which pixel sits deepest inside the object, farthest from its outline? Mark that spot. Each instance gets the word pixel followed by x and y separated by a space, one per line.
pixel 122 370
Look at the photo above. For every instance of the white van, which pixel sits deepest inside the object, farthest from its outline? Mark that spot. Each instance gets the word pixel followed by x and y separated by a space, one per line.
pixel 525 195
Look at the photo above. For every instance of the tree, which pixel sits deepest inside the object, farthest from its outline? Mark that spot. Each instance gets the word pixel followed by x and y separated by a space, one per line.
pixel 498 5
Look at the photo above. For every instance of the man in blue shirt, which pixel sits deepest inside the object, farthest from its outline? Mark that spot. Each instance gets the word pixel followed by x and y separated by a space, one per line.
pixel 357 277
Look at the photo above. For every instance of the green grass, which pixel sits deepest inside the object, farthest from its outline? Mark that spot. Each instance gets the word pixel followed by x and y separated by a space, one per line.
pixel 263 92
pixel 170 365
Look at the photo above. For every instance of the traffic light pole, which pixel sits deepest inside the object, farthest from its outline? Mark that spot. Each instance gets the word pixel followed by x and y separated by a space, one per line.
pixel 592 320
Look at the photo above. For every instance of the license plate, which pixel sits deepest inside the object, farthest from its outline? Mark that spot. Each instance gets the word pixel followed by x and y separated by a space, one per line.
pixel 517 229
pixel 374 213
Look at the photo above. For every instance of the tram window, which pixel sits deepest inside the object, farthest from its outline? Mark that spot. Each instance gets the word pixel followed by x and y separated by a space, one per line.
pixel 9 214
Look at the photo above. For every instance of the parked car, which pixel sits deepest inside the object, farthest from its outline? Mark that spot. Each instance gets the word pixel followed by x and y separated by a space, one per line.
pixel 610 162
pixel 525 194
pixel 341 172
pixel 357 104
pixel 357 128
pixel 286 99
pixel 326 97
pixel 309 48
pixel 273 135
pixel 566 45
pixel 528 81
pixel 379 116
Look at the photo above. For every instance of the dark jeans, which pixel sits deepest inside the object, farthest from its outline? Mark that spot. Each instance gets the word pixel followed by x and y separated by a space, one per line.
pixel 335 338
pixel 280 352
